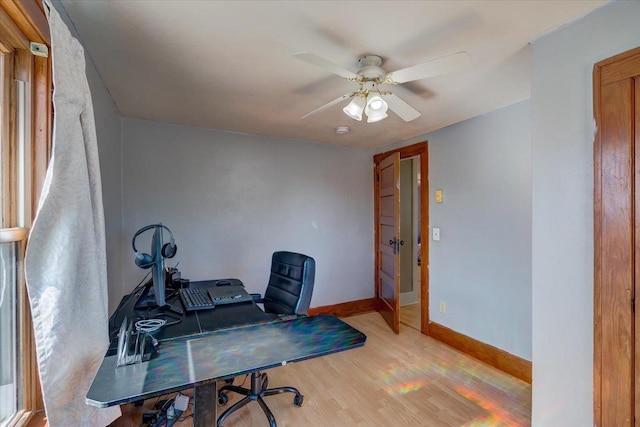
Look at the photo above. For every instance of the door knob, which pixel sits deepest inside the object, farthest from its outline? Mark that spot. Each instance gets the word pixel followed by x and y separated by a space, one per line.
pixel 395 244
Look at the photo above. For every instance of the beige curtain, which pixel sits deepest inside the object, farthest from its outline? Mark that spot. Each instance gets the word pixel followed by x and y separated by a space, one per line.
pixel 66 260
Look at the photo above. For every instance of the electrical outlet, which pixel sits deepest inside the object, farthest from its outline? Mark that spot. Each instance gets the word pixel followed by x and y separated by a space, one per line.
pixel 443 307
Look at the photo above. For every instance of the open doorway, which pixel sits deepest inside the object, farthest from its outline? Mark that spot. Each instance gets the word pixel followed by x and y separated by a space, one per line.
pixel 389 243
pixel 410 234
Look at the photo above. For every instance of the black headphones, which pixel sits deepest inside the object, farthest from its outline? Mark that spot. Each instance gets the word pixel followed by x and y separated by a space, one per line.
pixel 168 250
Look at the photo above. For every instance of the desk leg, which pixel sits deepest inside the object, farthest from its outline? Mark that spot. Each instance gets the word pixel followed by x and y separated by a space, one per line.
pixel 205 402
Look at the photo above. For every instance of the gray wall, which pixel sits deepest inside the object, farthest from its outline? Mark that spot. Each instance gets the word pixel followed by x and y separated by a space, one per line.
pixel 481 267
pixel 231 200
pixel 562 145
pixel 108 129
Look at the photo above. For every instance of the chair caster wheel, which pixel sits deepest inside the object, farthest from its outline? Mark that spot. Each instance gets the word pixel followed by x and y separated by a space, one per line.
pixel 298 400
pixel 223 398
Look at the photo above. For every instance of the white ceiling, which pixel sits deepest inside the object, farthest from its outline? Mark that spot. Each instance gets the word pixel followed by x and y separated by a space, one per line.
pixel 229 65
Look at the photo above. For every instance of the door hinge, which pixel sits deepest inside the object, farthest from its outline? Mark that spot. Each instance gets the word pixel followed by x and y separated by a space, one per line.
pixel 633 305
pixel 377 177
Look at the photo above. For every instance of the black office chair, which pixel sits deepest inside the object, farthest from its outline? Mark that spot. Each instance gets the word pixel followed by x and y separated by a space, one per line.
pixel 288 292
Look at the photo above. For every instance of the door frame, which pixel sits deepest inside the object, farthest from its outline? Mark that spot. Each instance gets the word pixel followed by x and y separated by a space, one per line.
pixel 420 149
pixel 618 67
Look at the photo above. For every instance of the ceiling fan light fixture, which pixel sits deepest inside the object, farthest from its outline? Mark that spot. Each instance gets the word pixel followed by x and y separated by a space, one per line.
pixel 370 75
pixel 376 109
pixel 355 108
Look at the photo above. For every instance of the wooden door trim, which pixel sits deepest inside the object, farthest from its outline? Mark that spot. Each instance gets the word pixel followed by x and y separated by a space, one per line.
pixel 619 67
pixel 420 149
pixel 597 246
pixel 611 70
pixel 635 327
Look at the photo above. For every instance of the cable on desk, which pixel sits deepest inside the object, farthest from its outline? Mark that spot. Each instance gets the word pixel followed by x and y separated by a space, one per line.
pixel 150 325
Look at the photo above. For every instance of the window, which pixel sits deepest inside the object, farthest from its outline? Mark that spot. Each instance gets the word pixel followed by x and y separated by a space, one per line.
pixel 25 118
pixel 15 63
pixel 11 393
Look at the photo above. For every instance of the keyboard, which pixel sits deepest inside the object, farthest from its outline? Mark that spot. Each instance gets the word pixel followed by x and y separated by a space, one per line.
pixel 195 299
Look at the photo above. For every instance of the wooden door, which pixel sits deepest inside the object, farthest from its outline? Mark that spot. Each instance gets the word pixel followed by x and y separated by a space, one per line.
pixel 617 240
pixel 388 240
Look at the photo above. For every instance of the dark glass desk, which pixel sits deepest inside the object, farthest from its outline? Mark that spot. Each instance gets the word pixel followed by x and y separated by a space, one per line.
pixel 209 346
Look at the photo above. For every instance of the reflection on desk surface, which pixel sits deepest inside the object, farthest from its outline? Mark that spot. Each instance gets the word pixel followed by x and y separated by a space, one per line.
pixel 183 362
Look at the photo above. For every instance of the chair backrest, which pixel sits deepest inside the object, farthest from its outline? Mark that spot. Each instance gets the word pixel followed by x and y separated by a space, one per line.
pixel 290 283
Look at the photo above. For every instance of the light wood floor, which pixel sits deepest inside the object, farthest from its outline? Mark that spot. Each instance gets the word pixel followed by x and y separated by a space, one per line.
pixel 394 380
pixel 410 315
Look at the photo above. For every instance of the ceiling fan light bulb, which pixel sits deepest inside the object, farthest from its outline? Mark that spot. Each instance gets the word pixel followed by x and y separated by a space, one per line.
pixel 376 117
pixel 376 109
pixel 355 108
pixel 376 103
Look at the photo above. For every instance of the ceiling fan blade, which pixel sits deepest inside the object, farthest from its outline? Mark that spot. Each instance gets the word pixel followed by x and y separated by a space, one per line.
pixel 318 61
pixel 401 108
pixel 330 104
pixel 446 64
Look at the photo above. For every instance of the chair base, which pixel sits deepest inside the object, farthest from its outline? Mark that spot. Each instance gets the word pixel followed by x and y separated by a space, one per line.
pixel 258 390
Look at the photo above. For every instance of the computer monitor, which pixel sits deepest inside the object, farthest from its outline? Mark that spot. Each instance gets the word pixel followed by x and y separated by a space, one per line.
pixel 157 271
pixel 154 291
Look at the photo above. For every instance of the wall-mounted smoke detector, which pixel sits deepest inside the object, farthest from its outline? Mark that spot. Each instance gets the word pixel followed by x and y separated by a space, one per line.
pixel 342 130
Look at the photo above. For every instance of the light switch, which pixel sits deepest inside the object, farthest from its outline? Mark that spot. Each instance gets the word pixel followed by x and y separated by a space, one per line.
pixel 436 234
pixel 438 196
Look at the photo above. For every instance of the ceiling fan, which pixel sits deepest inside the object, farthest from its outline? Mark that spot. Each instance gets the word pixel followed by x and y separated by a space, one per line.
pixel 369 98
